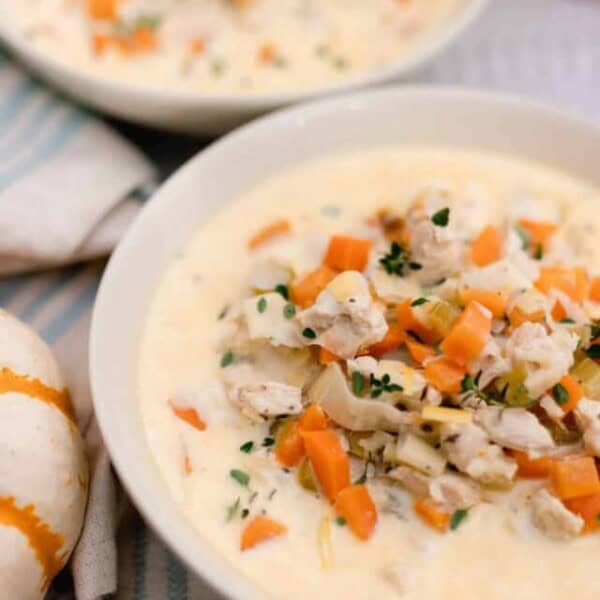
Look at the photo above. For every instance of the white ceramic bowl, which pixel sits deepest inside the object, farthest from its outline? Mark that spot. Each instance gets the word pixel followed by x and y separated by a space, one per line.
pixel 196 113
pixel 223 172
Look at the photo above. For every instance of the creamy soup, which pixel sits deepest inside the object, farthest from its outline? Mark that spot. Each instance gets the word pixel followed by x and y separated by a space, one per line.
pixel 232 46
pixel 375 376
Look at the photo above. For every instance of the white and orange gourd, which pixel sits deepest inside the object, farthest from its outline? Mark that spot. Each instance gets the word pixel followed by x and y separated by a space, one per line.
pixel 43 468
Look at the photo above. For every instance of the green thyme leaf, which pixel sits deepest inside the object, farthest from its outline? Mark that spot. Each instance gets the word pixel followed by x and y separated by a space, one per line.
pixel 593 351
pixel 358 383
pixel 233 509
pixel 595 331
pixel 268 441
pixel 419 301
pixel 340 521
pixel 289 311
pixel 458 516
pixel 467 384
pixel 227 359
pixel 441 217
pixel 283 291
pixel 261 305
pixel 245 513
pixel 309 333
pixel 240 476
pixel 247 447
pixel 560 394
pixel 538 253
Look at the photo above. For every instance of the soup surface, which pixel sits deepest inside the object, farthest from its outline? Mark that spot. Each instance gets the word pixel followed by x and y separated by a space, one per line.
pixel 231 46
pixel 375 376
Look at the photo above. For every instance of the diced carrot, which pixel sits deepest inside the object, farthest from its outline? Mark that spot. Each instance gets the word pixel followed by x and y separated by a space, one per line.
pixel 532 468
pixel 538 231
pixel 189 415
pixel 346 253
pixel 260 529
pixel 558 311
pixel 268 233
pixel 144 39
pixel 419 352
pixel 305 291
pixel 197 46
pixel 495 302
pixel 468 335
pixel 408 322
pixel 487 246
pixel 575 477
pixel 266 53
pixel 104 10
pixel 329 461
pixel 326 357
pixel 588 508
pixel 100 43
pixel 355 504
pixel 393 339
pixel 313 419
pixel 595 289
pixel 289 447
pixel 573 282
pixel 517 317
pixel 444 375
pixel 574 390
pixel 432 513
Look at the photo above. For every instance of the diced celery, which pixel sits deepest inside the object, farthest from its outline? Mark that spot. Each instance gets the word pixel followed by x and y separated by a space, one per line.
pixel 587 372
pixel 417 453
pixel 439 315
pixel 306 477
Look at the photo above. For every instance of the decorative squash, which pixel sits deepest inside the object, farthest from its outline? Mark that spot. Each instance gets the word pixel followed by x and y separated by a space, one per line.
pixel 43 469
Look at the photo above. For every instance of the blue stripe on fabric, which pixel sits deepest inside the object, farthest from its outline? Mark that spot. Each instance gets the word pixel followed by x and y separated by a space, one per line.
pixel 177 588
pixel 70 125
pixel 17 101
pixel 35 123
pixel 33 307
pixel 140 552
pixel 63 321
pixel 9 288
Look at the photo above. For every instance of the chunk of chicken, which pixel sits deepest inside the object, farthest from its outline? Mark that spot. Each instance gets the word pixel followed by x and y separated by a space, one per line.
pixel 469 448
pixel 587 414
pixel 503 276
pixel 514 428
pixel 552 517
pixel 490 363
pixel 266 400
pixel 437 249
pixel 454 491
pixel 546 357
pixel 345 317
pixel 414 481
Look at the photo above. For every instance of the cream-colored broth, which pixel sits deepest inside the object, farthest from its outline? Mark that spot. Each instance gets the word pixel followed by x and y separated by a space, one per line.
pixel 495 553
pixel 311 42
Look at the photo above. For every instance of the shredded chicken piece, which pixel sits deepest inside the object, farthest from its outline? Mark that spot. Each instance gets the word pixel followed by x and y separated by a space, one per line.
pixel 438 250
pixel 552 518
pixel 490 363
pixel 514 428
pixel 469 448
pixel 454 491
pixel 587 414
pixel 345 317
pixel 269 399
pixel 501 276
pixel 414 481
pixel 546 357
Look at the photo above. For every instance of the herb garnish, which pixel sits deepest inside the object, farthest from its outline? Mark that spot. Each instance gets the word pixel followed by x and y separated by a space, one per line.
pixel 419 301
pixel 240 476
pixel 268 441
pixel 341 521
pixel 567 321
pixel 560 394
pixel 458 516
pixel 261 305
pixel 538 253
pixel 594 330
pixel 223 312
pixel 470 387
pixel 245 513
pixel 358 383
pixel 383 385
pixel 309 333
pixel 289 311
pixel 232 510
pixel 283 290
pixel 441 217
pixel 593 351
pixel 227 359
pixel 247 447
pixel 395 260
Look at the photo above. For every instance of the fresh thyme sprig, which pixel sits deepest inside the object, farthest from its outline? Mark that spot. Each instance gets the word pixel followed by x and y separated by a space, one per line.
pixel 397 260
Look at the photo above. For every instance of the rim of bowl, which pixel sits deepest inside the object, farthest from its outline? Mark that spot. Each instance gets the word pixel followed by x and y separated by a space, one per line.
pixel 141 92
pixel 201 558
